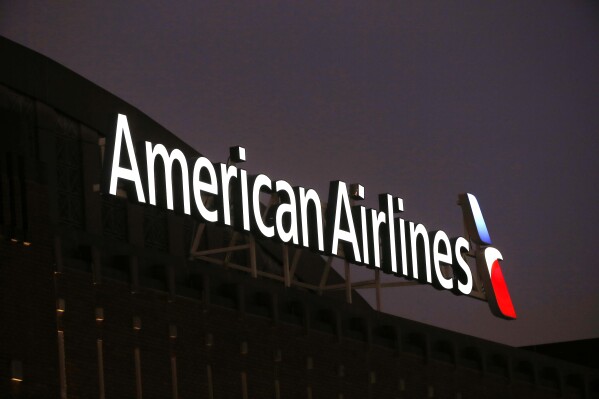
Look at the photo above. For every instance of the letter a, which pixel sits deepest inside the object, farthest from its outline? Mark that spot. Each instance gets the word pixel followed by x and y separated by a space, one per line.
pixel 118 172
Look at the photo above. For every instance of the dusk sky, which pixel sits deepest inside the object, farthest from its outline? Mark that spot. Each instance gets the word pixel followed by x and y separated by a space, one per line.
pixel 421 99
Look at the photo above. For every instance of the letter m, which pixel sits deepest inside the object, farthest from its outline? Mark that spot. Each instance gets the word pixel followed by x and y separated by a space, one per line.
pixel 168 159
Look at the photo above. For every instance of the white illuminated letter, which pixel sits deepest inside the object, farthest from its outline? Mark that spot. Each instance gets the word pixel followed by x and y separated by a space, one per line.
pixel 284 208
pixel 226 174
pixel 305 196
pixel 243 176
pixel 439 257
pixel 176 154
pixel 338 234
pixel 377 218
pixel 415 231
pixel 462 245
pixel 261 181
pixel 118 172
pixel 392 255
pixel 364 224
pixel 403 246
pixel 199 186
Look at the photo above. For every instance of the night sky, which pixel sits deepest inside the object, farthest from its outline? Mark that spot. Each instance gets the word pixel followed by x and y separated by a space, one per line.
pixel 423 100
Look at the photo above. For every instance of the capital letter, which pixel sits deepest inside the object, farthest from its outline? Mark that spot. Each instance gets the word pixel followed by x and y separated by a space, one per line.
pixel 114 158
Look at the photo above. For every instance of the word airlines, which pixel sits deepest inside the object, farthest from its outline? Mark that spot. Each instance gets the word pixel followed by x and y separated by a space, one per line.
pixel 369 237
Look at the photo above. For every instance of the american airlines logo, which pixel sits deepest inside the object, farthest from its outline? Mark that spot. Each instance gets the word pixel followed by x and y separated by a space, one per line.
pixel 381 239
pixel 487 259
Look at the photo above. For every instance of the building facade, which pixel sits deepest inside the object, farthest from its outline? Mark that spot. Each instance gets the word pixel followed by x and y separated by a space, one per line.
pixel 100 298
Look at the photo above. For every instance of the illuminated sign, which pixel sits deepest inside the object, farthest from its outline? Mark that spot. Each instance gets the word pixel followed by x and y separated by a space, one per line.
pixel 487 259
pixel 373 238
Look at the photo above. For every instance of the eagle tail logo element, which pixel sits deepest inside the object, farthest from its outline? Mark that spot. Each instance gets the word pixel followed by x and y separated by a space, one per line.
pixel 487 259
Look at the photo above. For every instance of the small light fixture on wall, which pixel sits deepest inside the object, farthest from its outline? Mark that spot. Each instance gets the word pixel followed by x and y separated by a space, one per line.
pixel 373 377
pixel 60 305
pixel 309 363
pixel 136 323
pixel 16 371
pixel 172 331
pixel 278 356
pixel 431 391
pixel 99 314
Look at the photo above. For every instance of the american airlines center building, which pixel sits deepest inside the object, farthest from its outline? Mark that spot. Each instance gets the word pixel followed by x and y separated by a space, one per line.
pixel 105 294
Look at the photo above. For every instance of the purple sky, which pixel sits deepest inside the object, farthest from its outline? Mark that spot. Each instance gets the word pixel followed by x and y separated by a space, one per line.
pixel 420 99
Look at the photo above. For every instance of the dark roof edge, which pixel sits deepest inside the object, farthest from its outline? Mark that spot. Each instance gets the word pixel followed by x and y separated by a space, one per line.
pixel 44 79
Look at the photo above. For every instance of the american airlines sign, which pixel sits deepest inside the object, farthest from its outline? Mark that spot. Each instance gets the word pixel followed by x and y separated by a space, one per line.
pixel 374 238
